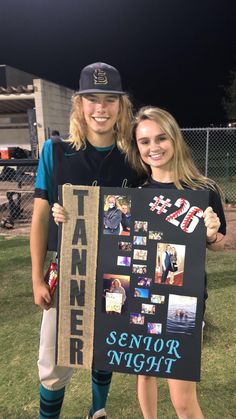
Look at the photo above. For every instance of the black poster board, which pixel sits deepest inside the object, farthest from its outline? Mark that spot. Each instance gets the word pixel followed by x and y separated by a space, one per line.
pixel 150 284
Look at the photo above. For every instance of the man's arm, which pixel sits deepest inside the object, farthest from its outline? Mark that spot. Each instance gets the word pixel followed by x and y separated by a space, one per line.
pixel 38 249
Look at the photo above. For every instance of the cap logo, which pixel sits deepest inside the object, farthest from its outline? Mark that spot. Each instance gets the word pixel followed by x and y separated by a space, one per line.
pixel 100 77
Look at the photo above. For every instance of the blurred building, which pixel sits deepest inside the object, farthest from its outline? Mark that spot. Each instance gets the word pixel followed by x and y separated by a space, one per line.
pixel 30 108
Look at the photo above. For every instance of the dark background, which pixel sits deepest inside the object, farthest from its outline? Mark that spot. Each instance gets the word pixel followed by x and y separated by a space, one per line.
pixel 175 54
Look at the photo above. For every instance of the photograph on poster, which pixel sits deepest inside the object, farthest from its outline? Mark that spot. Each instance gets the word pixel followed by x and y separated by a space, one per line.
pixel 140 226
pixel 125 246
pixel 154 328
pixel 144 282
pixel 181 314
pixel 117 215
pixel 136 318
pixel 123 260
pixel 118 285
pixel 148 309
pixel 155 235
pixel 141 292
pixel 157 299
pixel 140 254
pixel 139 269
pixel 170 264
pixel 140 241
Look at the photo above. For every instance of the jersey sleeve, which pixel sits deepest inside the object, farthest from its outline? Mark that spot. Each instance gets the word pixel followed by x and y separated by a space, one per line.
pixel 216 204
pixel 44 179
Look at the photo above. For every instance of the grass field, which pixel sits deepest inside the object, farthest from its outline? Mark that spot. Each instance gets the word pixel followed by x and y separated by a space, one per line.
pixel 19 330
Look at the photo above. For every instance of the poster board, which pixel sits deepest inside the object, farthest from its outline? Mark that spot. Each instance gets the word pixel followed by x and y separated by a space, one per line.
pixel 155 271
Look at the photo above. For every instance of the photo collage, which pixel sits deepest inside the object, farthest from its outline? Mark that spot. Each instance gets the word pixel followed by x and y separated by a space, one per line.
pixel 150 294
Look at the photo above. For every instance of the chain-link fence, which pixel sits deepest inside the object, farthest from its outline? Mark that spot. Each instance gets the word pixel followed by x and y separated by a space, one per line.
pixel 213 149
pixel 17 179
pixel 214 152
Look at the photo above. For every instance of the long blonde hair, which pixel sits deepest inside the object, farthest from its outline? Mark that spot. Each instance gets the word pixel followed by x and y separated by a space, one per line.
pixel 185 172
pixel 106 204
pixel 78 126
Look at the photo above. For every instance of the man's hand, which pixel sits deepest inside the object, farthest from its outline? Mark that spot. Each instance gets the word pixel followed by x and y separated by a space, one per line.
pixel 42 296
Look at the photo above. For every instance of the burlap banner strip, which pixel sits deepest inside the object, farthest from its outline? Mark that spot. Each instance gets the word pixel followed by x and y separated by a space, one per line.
pixel 77 283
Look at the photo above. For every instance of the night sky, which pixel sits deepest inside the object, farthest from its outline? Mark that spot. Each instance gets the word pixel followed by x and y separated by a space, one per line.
pixel 175 54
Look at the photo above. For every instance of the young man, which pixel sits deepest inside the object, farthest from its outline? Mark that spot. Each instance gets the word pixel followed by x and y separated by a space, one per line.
pixel 94 155
pixel 126 217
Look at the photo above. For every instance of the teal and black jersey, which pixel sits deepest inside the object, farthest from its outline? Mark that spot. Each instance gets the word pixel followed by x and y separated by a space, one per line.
pixel 60 163
pixel 44 185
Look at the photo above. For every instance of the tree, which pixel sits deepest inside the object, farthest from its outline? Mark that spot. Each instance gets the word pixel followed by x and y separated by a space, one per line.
pixel 229 101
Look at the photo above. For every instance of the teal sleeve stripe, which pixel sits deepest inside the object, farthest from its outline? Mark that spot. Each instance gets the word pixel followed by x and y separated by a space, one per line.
pixel 45 170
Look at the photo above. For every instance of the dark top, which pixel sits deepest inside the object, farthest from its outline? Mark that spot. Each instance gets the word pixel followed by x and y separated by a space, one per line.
pixel 214 202
pixel 126 221
pixel 112 218
pixel 60 163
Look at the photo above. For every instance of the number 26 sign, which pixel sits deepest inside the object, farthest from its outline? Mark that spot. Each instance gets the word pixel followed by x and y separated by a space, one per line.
pixel 192 214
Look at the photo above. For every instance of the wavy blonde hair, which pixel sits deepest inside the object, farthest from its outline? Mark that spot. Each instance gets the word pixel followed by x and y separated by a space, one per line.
pixel 185 172
pixel 106 204
pixel 78 126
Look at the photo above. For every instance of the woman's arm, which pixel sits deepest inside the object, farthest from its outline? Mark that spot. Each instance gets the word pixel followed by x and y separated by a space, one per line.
pixel 218 243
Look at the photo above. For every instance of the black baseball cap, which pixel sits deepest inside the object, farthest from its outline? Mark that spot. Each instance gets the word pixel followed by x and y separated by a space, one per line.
pixel 100 78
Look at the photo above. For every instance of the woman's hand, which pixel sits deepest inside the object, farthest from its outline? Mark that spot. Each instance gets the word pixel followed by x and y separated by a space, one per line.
pixel 59 214
pixel 215 240
pixel 212 223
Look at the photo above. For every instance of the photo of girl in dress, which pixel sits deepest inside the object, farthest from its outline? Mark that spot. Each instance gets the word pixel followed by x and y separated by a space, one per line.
pixel 181 314
pixel 170 264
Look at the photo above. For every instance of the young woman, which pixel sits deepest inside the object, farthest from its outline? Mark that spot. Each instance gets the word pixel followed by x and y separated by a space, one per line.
pixel 159 151
pixel 112 216
pixel 166 263
pixel 173 264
